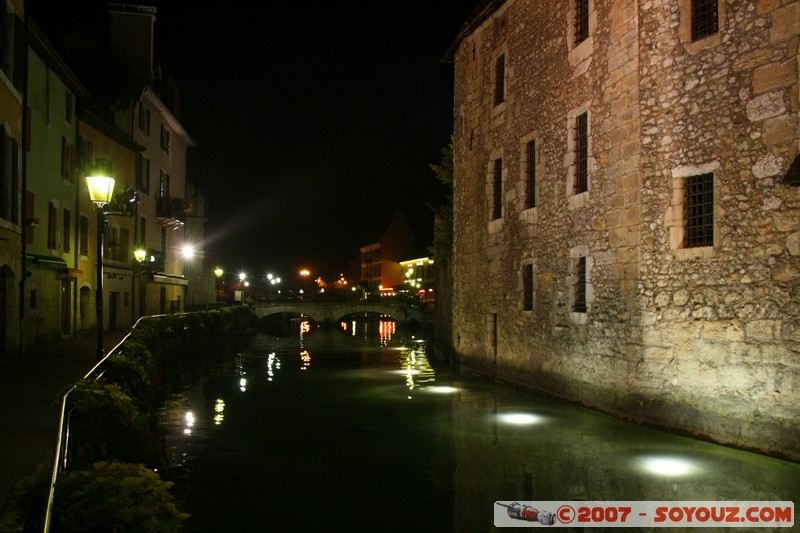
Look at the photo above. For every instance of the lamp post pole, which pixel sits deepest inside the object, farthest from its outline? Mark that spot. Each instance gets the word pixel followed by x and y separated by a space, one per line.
pixel 101 189
pixel 98 301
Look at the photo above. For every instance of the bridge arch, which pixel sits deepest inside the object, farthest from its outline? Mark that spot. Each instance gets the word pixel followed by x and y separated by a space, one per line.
pixel 325 312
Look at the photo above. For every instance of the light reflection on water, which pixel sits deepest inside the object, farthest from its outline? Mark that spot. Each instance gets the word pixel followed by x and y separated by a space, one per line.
pixel 341 436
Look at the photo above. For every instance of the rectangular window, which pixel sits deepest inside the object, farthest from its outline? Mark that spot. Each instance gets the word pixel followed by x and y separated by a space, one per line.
pixel 67 160
pixel 144 119
pixel 705 20
pixel 66 232
pixel 582 153
pixel 527 287
pixel 85 155
pixel 500 79
pixel 530 175
pixel 142 232
pixel 699 216
pixel 142 174
pixel 9 177
pixel 163 185
pixel 497 189
pixel 579 305
pixel 52 226
pixel 164 138
pixel 581 21
pixel 83 238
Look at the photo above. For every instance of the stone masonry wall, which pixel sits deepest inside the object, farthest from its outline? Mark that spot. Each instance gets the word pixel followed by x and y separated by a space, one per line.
pixel 702 340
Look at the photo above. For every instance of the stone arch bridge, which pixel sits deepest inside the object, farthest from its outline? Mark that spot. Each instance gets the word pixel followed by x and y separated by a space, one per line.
pixel 334 311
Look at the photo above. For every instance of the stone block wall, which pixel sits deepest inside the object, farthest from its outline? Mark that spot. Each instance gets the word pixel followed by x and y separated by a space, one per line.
pixel 703 339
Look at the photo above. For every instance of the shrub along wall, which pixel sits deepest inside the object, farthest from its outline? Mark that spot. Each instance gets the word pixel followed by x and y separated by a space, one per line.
pixel 109 483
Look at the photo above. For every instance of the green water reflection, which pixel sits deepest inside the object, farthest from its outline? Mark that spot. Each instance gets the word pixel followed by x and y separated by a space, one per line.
pixel 355 426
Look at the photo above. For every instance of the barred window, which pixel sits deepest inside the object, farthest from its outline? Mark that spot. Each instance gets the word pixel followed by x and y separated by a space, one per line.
pixel 699 211
pixel 530 175
pixel 497 189
pixel 579 304
pixel 704 18
pixel 581 153
pixel 581 21
pixel 499 79
pixel 527 287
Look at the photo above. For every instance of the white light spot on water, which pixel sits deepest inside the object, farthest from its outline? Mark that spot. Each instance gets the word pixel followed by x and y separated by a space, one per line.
pixel 668 466
pixel 521 419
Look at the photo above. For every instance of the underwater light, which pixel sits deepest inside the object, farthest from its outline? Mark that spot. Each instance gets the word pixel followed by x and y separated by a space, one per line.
pixel 442 390
pixel 667 466
pixel 520 419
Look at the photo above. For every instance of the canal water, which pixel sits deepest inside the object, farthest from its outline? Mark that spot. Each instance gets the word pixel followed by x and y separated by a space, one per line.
pixel 358 429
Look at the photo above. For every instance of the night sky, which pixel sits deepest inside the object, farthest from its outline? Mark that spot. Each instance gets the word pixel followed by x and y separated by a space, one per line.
pixel 311 124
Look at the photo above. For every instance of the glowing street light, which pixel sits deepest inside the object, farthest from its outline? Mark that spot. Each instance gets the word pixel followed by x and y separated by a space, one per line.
pixel 101 189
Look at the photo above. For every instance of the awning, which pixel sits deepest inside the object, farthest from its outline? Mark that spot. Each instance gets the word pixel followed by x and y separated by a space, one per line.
pixel 47 261
pixel 170 280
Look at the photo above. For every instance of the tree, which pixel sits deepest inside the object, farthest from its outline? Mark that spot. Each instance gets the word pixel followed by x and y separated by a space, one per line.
pixel 443 227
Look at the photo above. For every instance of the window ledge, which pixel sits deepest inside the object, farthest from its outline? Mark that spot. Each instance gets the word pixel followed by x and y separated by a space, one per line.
pixel 700 252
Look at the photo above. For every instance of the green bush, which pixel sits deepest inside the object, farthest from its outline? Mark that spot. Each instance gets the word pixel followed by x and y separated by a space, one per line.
pixel 115 497
pixel 104 424
pixel 131 376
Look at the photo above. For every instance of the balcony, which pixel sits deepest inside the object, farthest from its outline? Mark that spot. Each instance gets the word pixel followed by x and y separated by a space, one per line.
pixel 171 212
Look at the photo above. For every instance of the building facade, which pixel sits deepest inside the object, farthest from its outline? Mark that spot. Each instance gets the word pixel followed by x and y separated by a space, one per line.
pixel 97 96
pixel 12 219
pixel 625 232
pixel 51 195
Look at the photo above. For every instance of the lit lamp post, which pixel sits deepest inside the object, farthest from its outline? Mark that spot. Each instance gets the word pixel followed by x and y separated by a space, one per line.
pixel 218 272
pixel 101 189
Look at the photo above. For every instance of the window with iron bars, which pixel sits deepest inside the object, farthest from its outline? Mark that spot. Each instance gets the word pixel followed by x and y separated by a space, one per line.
pixel 499 79
pixel 497 189
pixel 581 21
pixel 699 211
pixel 530 175
pixel 527 287
pixel 705 20
pixel 581 153
pixel 579 304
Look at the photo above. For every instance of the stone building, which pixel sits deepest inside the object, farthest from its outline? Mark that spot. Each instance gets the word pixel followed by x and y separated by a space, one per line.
pixel 627 234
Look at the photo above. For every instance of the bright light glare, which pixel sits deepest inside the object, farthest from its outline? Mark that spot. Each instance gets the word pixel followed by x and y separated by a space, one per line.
pixel 668 466
pixel 520 419
pixel 442 390
pixel 187 251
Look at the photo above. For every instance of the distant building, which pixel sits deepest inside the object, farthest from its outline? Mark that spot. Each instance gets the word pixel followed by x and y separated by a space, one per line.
pixel 380 260
pixel 418 277
pixel 626 235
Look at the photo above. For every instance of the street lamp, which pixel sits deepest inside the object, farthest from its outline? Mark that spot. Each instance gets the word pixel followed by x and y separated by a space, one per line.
pixel 218 272
pixel 101 189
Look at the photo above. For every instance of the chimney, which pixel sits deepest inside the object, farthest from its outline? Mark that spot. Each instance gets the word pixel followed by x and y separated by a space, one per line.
pixel 131 37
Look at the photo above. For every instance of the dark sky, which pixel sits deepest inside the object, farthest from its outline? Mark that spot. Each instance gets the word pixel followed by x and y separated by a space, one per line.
pixel 312 124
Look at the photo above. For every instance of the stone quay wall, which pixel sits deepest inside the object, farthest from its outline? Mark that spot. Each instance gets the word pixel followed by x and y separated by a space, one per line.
pixel 703 340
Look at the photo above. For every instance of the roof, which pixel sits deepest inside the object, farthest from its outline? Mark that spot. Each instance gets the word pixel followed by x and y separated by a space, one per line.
pixel 482 11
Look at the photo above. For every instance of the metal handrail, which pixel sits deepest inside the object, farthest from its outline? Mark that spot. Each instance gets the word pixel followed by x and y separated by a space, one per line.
pixel 61 442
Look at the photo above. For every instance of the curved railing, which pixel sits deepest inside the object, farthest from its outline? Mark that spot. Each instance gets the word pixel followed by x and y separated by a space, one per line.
pixel 63 429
